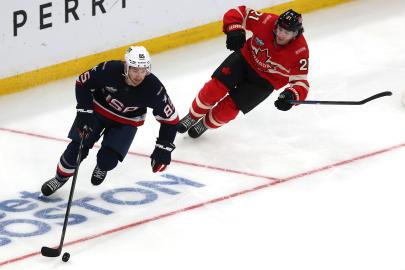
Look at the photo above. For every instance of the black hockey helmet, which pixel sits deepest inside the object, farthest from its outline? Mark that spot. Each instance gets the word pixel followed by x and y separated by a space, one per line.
pixel 291 21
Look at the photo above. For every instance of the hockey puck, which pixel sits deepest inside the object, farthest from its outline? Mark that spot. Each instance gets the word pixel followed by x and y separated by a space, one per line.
pixel 65 257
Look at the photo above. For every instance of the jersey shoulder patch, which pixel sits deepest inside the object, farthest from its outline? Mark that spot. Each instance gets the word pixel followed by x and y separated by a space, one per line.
pixel 269 19
pixel 301 46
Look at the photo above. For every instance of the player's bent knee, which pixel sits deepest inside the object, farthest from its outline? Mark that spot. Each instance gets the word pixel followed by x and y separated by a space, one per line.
pixel 213 91
pixel 72 150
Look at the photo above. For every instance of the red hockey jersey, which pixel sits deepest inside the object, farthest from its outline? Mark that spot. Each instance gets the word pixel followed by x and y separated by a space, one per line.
pixel 280 65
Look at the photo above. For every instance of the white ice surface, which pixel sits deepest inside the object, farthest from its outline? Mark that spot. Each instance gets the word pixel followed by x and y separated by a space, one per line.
pixel 342 206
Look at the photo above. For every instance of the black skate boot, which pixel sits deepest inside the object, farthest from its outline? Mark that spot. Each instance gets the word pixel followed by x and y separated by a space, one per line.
pixel 98 176
pixel 197 130
pixel 185 123
pixel 50 186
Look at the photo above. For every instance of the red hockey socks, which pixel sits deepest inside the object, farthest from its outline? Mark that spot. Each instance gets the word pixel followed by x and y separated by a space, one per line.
pixel 212 92
pixel 221 114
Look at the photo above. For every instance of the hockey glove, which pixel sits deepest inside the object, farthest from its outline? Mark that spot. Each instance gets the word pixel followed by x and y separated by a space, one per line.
pixel 282 102
pixel 235 37
pixel 84 120
pixel 161 156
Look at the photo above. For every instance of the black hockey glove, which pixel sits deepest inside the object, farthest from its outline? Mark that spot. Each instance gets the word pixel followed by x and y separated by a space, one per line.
pixel 161 156
pixel 84 120
pixel 282 102
pixel 235 39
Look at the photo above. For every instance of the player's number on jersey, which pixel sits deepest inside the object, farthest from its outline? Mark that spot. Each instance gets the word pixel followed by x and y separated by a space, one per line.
pixel 168 110
pixel 304 64
pixel 254 15
pixel 84 77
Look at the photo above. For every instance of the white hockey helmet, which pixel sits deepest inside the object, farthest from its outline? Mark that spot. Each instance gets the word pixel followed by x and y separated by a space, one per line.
pixel 137 56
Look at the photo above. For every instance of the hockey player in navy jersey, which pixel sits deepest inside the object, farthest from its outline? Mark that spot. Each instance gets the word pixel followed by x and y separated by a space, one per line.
pixel 112 100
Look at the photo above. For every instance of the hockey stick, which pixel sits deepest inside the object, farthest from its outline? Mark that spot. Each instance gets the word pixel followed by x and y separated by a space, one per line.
pixel 55 252
pixel 329 102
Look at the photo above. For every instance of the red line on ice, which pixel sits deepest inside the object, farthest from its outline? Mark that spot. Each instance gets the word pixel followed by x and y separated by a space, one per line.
pixel 273 181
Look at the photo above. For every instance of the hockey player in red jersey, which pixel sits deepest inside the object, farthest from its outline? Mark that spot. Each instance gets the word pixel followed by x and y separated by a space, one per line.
pixel 275 56
pixel 112 101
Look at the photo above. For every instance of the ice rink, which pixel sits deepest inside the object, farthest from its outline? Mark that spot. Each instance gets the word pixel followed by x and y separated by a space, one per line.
pixel 317 187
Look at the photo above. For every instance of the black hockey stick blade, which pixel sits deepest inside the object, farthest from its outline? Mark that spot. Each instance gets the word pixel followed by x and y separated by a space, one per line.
pixel 329 102
pixel 382 94
pixel 50 252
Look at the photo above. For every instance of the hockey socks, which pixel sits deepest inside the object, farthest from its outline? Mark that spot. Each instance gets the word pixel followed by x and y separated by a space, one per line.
pixel 67 162
pixel 221 114
pixel 212 92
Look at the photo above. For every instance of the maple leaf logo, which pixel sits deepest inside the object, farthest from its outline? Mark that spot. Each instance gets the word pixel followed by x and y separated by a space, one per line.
pixel 226 71
pixel 262 55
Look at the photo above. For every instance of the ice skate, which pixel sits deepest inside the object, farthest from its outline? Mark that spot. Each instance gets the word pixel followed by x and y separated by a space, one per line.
pixel 52 185
pixel 98 176
pixel 185 124
pixel 197 130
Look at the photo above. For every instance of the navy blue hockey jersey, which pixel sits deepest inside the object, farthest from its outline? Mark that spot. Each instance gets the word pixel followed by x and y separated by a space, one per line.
pixel 103 89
